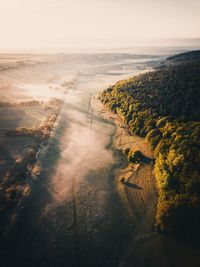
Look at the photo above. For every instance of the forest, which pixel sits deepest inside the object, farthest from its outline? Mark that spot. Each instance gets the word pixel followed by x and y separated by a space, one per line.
pixel 163 106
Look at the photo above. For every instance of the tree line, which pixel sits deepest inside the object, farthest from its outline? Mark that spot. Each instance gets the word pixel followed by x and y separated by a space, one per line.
pixel 163 106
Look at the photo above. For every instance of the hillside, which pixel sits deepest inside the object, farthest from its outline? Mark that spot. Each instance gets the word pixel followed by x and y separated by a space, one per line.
pixel 163 106
pixel 184 57
pixel 170 91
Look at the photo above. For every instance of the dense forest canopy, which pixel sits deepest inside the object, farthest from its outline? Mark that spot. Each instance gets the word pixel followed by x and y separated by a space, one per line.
pixel 164 106
pixel 173 90
pixel 183 57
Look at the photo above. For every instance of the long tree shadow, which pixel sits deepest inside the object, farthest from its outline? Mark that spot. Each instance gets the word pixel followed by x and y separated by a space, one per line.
pixel 146 160
pixel 130 185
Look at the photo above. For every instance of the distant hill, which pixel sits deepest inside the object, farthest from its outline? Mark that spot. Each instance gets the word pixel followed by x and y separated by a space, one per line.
pixel 164 107
pixel 186 57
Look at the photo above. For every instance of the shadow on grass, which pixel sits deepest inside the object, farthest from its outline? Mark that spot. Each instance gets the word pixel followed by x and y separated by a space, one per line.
pixel 130 185
pixel 94 117
pixel 146 160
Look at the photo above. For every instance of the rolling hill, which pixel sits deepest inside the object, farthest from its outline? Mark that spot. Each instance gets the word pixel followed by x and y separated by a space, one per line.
pixel 164 107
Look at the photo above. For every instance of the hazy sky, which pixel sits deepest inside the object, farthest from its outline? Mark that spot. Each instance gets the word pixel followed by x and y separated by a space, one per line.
pixel 60 23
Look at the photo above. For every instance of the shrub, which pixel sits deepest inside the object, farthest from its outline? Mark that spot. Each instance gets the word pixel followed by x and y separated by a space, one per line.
pixel 134 156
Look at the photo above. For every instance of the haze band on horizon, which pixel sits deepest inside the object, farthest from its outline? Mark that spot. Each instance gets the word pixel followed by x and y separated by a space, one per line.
pixel 60 25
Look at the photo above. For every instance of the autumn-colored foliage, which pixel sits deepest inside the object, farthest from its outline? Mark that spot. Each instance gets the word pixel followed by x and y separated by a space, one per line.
pixel 163 106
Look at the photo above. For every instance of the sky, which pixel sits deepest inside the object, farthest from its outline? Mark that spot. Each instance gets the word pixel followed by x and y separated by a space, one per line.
pixel 65 23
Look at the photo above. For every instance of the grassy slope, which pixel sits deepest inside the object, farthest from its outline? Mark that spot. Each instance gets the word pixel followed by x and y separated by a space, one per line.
pixel 138 194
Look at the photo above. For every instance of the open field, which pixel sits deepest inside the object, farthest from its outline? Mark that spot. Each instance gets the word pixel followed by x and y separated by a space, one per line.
pixel 27 115
pixel 25 128
pixel 139 193
pixel 16 117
